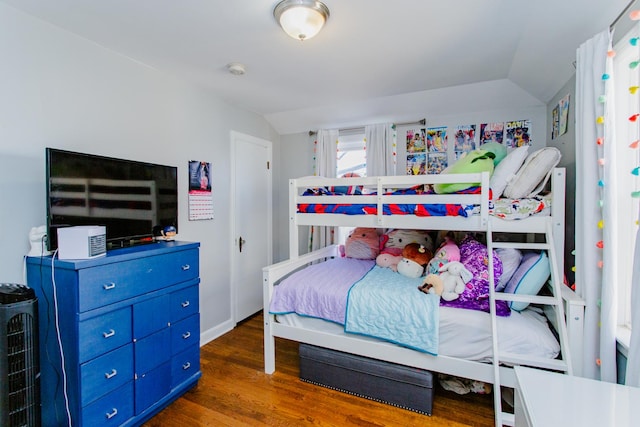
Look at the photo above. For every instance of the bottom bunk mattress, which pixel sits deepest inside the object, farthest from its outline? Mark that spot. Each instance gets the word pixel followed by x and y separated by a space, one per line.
pixel 466 334
pixel 320 297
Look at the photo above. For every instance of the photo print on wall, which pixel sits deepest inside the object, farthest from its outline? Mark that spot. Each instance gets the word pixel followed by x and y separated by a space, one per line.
pixel 465 140
pixel 491 132
pixel 200 194
pixel 437 142
pixel 517 133
pixel 416 152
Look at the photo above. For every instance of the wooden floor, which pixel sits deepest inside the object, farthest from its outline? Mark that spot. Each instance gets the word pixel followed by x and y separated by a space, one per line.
pixel 235 391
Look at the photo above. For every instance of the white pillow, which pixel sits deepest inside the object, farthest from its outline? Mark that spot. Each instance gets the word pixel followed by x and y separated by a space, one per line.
pixel 511 259
pixel 507 169
pixel 534 173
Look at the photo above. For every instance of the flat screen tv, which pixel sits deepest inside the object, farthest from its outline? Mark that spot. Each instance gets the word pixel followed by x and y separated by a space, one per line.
pixel 130 198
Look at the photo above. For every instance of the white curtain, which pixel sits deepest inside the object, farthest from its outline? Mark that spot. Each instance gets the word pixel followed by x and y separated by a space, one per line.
pixel 381 149
pixel 326 160
pixel 595 206
pixel 633 357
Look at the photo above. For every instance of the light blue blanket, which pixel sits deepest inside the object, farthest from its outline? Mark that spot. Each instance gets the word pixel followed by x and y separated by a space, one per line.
pixel 388 305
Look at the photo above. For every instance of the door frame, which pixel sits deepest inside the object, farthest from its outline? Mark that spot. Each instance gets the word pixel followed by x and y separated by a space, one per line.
pixel 234 137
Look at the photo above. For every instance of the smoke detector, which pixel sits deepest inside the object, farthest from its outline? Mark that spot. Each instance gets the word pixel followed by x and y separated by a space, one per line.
pixel 236 68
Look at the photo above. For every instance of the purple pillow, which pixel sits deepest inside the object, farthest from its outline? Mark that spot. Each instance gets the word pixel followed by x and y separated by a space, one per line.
pixel 475 257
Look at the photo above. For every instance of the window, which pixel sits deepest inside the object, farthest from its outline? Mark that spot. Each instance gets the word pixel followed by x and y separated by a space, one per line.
pixel 626 105
pixel 352 156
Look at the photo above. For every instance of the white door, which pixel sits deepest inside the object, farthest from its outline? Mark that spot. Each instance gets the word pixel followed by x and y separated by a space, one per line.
pixel 250 221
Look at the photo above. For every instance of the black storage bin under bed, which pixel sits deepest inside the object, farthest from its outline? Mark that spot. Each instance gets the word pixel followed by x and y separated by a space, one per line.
pixel 397 385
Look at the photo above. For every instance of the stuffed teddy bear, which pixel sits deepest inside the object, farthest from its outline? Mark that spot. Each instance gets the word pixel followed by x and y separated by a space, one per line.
pixel 432 284
pixel 396 240
pixel 362 243
pixel 387 260
pixel 447 252
pixel 415 258
pixel 454 277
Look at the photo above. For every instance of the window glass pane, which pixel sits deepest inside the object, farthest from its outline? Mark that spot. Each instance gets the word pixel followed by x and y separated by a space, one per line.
pixel 352 155
pixel 352 158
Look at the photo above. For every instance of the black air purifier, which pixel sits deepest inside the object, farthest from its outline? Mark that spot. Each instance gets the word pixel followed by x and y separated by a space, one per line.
pixel 19 357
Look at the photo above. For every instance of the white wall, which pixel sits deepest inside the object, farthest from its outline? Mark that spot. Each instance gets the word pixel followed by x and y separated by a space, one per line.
pixel 62 91
pixel 295 161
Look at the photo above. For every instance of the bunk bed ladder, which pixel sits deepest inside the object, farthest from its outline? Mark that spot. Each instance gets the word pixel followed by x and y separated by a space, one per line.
pixel 554 301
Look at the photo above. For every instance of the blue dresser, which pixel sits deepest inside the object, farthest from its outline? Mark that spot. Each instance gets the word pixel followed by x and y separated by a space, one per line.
pixel 119 335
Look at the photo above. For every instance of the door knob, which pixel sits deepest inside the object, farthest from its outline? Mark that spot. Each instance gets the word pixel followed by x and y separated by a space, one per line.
pixel 241 242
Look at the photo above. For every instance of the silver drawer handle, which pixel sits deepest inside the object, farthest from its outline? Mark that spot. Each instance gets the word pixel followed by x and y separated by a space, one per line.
pixel 108 286
pixel 186 335
pixel 109 334
pixel 111 374
pixel 185 304
pixel 186 267
pixel 113 413
pixel 186 366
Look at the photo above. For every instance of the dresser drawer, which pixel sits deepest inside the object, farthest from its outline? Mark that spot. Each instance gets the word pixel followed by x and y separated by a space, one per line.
pixel 104 333
pixel 106 373
pixel 113 409
pixel 185 365
pixel 185 333
pixel 105 284
pixel 184 303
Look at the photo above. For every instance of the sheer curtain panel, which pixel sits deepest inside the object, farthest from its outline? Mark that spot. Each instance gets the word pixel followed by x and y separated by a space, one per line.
pixel 381 149
pixel 325 153
pixel 595 205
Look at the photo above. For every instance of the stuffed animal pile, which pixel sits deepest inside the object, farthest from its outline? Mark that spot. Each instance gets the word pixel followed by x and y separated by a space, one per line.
pixel 446 275
pixel 394 242
pixel 362 243
pixel 415 258
pixel 410 253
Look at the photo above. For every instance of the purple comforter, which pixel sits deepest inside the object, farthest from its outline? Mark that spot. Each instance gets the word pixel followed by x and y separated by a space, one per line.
pixel 298 293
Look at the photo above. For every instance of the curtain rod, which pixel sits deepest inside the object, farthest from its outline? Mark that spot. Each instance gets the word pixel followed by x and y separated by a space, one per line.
pixel 422 122
pixel 623 13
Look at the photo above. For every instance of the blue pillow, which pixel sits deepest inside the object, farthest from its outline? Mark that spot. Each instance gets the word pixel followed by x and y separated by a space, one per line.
pixel 529 278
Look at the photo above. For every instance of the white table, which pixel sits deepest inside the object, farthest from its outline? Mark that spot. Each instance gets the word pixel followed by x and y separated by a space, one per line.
pixel 546 399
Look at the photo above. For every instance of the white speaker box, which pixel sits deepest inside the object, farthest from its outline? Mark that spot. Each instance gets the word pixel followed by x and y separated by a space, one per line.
pixel 82 242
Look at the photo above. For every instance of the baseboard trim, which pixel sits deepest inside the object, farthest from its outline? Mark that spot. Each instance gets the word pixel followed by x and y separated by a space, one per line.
pixel 215 332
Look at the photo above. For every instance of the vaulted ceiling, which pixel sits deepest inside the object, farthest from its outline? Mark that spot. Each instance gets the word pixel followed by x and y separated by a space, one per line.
pixel 370 50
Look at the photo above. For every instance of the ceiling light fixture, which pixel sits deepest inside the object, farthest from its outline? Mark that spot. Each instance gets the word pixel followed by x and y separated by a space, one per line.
pixel 301 19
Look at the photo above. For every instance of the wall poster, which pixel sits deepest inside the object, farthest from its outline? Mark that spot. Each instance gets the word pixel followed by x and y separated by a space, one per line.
pixel 517 133
pixel 564 115
pixel 200 194
pixel 555 121
pixel 437 149
pixel 416 152
pixel 491 132
pixel 465 140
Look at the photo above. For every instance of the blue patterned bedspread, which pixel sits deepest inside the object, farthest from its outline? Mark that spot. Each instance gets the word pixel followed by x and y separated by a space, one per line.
pixel 389 306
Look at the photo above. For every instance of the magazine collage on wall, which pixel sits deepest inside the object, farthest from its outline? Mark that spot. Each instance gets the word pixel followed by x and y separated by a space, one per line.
pixel 427 148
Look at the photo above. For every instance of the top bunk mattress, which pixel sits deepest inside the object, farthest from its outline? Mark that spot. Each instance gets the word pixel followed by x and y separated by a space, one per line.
pixel 504 208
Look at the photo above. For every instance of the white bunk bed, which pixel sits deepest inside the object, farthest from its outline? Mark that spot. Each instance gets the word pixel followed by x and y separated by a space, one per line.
pixel 498 371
